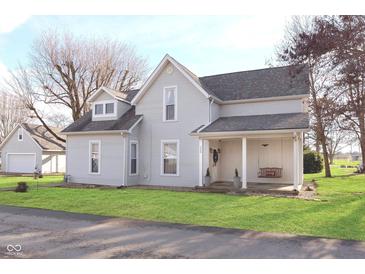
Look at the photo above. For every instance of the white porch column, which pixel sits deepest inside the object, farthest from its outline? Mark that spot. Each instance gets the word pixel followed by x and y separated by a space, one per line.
pixel 295 161
pixel 203 159
pixel 244 163
pixel 201 162
pixel 301 171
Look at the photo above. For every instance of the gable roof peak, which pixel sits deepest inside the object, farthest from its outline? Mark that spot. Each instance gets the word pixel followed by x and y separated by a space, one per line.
pixel 185 71
pixel 125 97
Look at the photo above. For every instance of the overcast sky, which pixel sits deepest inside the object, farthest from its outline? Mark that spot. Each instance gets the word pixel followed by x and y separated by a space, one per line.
pixel 205 44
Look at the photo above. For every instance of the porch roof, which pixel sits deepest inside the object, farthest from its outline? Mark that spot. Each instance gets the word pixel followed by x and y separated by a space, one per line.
pixel 258 122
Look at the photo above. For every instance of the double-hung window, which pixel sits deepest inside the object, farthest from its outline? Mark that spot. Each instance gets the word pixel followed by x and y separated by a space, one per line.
pixel 133 170
pixel 170 157
pixel 109 108
pixel 170 104
pixel 94 157
pixel 99 109
pixel 104 108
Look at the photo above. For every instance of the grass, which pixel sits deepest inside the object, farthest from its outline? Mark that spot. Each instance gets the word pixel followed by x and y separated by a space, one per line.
pixel 339 213
pixel 12 181
pixel 338 163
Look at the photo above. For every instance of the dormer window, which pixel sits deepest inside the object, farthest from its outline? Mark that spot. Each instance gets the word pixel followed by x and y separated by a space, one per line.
pixel 104 109
pixel 99 109
pixel 109 108
pixel 170 104
pixel 20 134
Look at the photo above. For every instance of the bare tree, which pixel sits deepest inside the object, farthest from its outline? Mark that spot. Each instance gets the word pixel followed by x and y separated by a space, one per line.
pixel 337 139
pixel 11 113
pixel 65 70
pixel 23 84
pixel 297 48
pixel 58 120
pixel 344 37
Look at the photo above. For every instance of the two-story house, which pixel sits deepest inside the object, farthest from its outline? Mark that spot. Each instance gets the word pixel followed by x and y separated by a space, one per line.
pixel 177 125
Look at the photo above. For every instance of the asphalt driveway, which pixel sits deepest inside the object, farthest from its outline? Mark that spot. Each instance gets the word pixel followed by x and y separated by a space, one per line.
pixel 37 233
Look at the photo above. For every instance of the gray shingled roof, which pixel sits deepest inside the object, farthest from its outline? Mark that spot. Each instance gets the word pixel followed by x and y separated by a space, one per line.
pixel 263 83
pixel 125 122
pixel 45 139
pixel 128 96
pixel 259 122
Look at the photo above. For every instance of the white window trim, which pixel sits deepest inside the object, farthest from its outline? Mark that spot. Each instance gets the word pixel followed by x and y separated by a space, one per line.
pixel 104 102
pixel 22 133
pixel 99 152
pixel 171 141
pixel 164 104
pixel 130 157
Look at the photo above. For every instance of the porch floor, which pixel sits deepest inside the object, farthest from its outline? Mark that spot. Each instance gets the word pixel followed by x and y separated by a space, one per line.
pixel 263 188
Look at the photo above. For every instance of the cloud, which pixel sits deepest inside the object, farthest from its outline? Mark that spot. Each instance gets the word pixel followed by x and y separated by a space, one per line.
pixel 254 32
pixel 10 21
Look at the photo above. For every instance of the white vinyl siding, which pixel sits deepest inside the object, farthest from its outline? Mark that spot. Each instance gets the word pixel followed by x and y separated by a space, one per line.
pixel 94 157
pixel 170 157
pixel 133 158
pixel 170 104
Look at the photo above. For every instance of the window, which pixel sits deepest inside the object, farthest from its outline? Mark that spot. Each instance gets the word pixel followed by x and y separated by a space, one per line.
pixel 104 108
pixel 133 158
pixel 94 161
pixel 170 157
pixel 20 134
pixel 170 104
pixel 99 109
pixel 109 108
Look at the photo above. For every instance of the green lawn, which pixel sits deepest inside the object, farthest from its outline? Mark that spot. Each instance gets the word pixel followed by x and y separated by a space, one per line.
pixel 12 181
pixel 338 163
pixel 339 212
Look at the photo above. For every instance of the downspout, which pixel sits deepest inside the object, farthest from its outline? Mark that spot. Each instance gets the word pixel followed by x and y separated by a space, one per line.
pixel 124 181
pixel 211 101
pixel 66 178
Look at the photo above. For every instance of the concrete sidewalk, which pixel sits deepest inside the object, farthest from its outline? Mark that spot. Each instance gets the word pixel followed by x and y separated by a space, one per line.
pixel 55 234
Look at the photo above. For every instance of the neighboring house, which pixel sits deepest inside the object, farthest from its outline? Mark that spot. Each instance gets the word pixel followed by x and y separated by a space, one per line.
pixel 29 147
pixel 166 133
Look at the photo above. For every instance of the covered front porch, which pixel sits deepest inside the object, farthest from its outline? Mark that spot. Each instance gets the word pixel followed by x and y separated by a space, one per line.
pixel 271 162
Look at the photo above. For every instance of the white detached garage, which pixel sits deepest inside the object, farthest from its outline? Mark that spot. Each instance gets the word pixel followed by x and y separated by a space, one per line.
pixel 29 147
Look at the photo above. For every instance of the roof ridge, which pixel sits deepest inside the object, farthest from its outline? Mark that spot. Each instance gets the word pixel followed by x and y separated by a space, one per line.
pixel 251 70
pixel 38 125
pixel 267 114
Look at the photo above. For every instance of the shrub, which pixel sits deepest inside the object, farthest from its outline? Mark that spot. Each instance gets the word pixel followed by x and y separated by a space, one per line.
pixel 313 162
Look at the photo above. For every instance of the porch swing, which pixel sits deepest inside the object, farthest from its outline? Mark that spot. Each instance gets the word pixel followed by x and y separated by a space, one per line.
pixel 271 172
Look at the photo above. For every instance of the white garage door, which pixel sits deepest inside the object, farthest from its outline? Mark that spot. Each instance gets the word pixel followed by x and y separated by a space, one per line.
pixel 21 163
